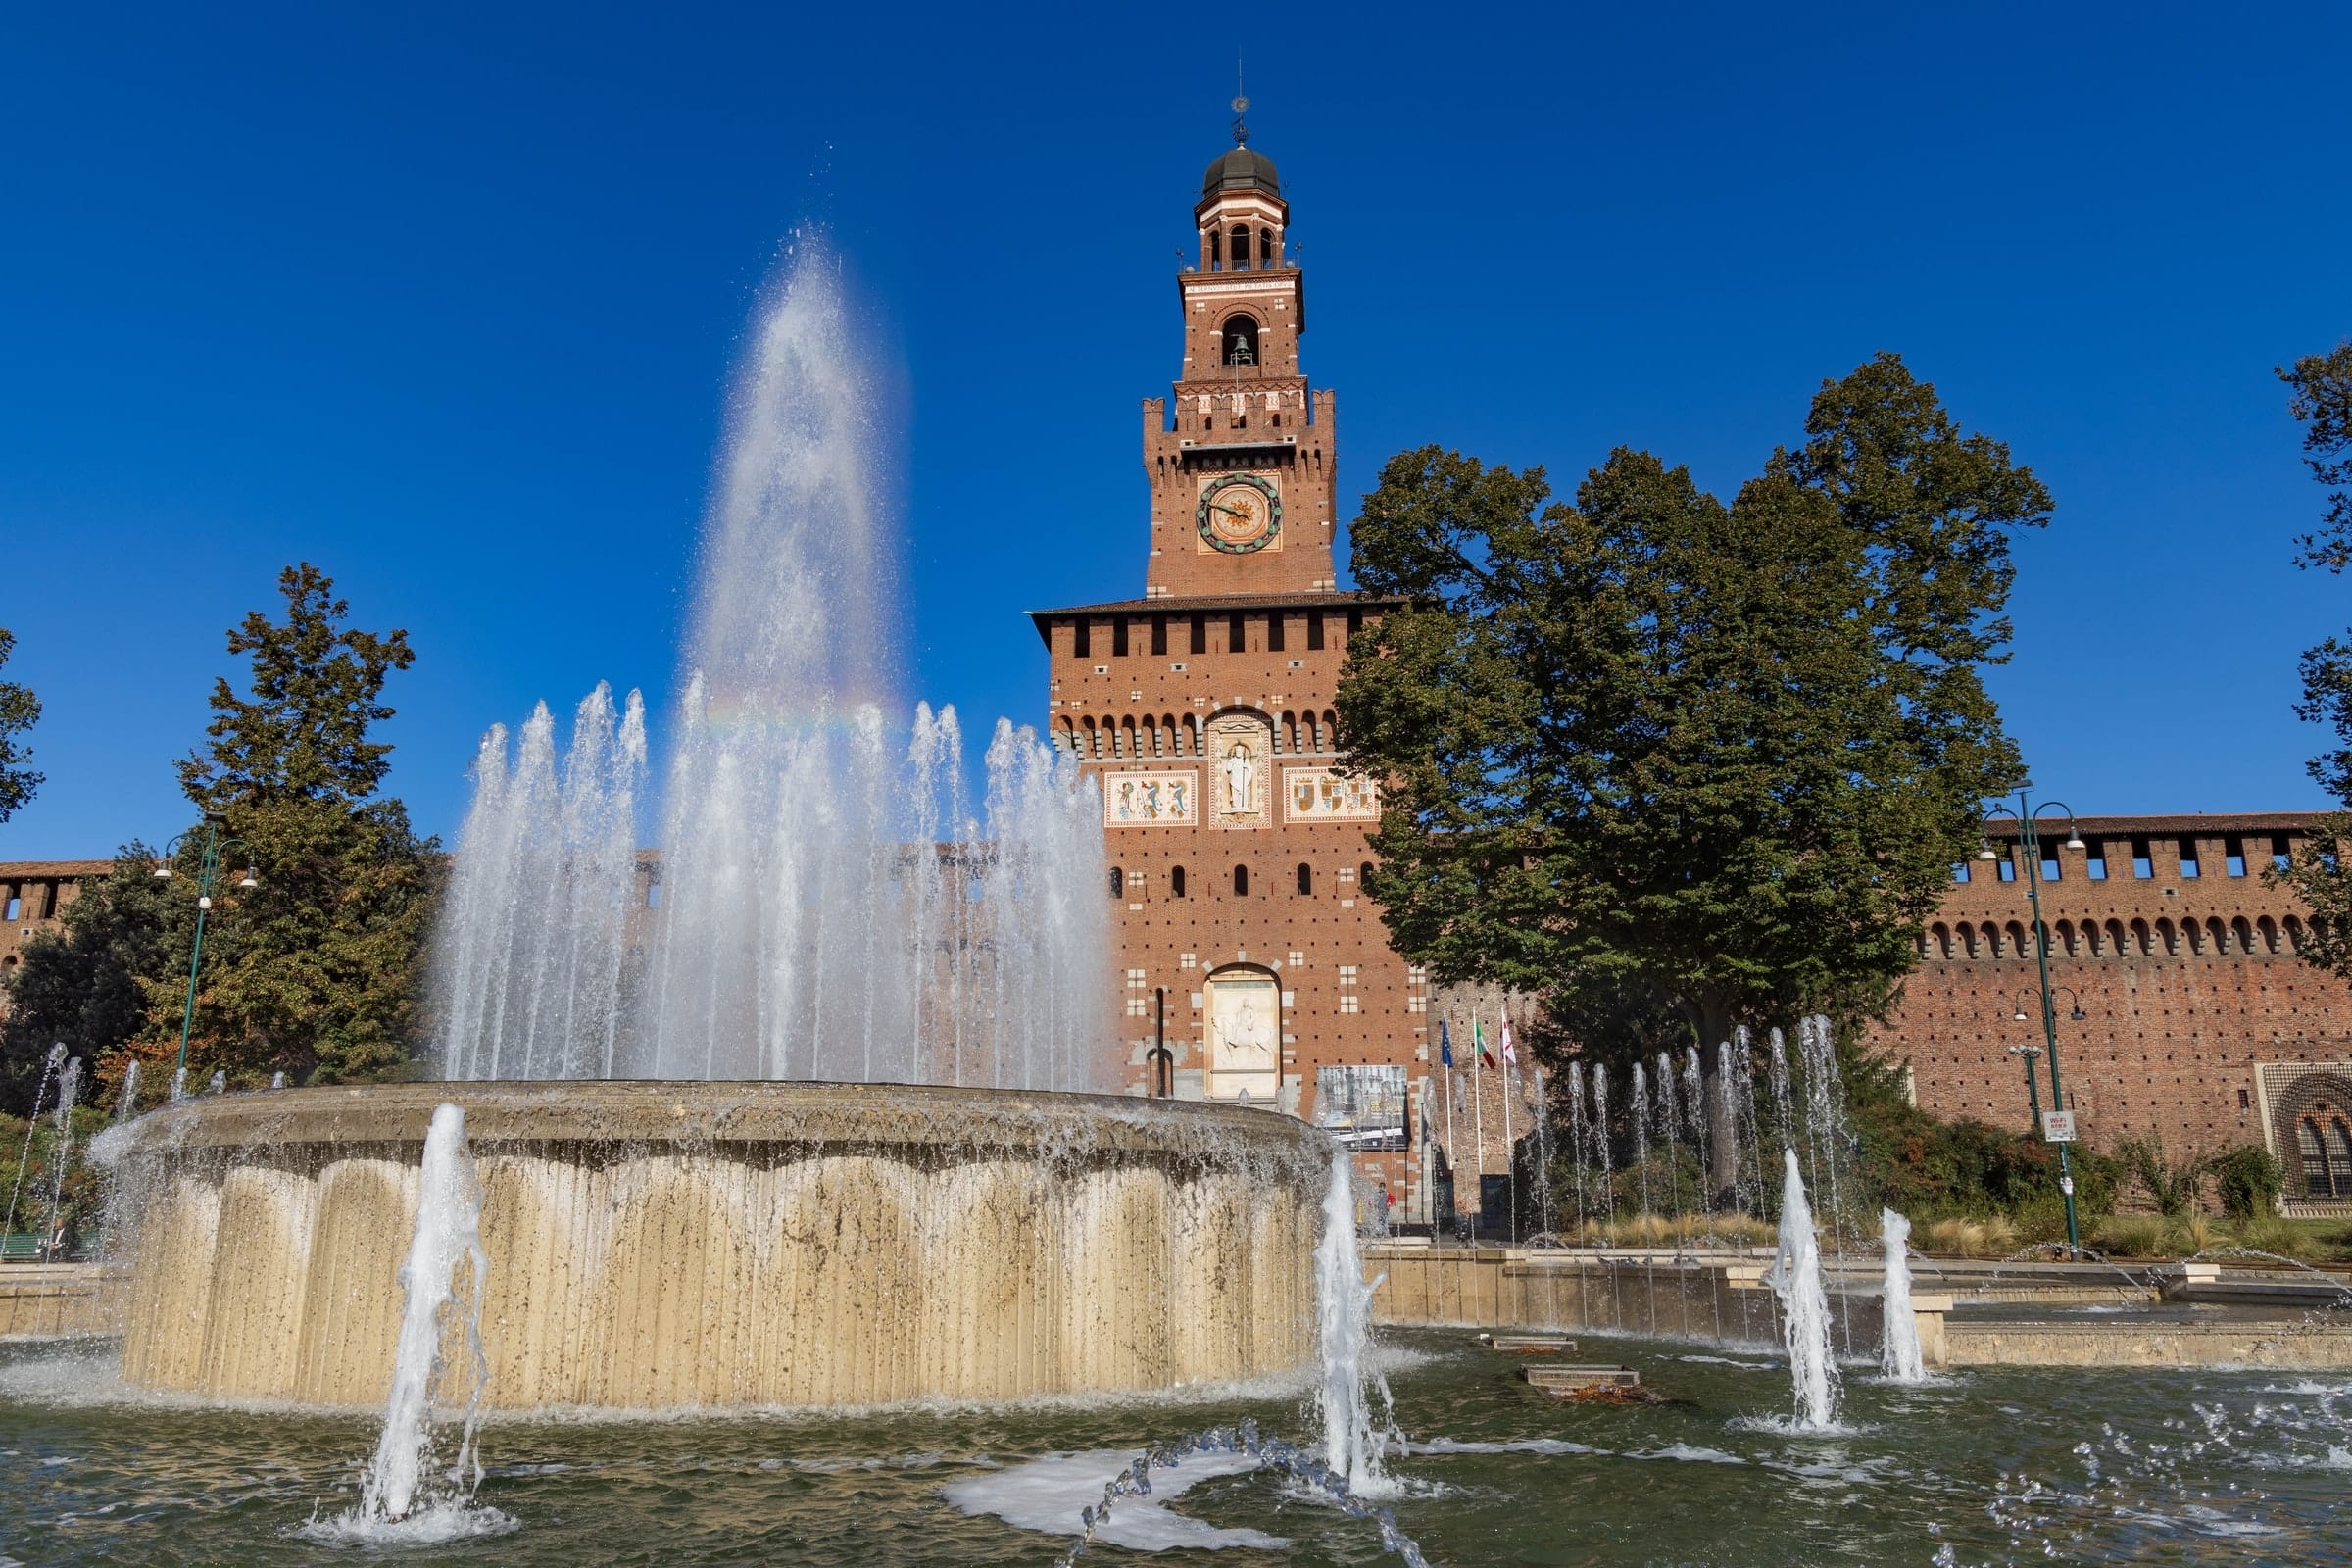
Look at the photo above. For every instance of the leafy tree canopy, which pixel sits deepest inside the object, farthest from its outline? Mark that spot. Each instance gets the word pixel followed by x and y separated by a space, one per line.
pixel 314 971
pixel 2321 401
pixel 1722 755
pixel 19 709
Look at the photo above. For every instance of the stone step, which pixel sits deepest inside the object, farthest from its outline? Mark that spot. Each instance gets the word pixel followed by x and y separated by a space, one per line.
pixel 1563 1377
pixel 1529 1343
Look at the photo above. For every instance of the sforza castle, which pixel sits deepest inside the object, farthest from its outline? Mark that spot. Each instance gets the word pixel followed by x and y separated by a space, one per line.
pixel 1249 965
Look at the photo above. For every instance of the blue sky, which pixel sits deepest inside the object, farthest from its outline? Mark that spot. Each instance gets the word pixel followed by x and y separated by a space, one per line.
pixel 446 301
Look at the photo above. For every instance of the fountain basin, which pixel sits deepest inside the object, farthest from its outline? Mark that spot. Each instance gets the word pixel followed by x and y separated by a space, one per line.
pixel 667 1244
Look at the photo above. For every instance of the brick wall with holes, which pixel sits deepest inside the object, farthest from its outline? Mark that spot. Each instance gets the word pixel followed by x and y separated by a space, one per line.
pixel 2167 935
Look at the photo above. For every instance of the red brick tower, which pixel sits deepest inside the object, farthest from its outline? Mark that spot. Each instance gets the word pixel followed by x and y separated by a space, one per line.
pixel 1204 709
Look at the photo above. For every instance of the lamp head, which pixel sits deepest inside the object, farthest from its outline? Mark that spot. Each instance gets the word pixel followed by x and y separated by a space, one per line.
pixel 2018 1016
pixel 250 881
pixel 1986 853
pixel 2077 1015
pixel 2074 841
pixel 162 872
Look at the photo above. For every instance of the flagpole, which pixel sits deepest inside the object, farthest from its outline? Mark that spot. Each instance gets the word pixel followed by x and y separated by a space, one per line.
pixel 1511 1166
pixel 1478 1135
pixel 1453 1166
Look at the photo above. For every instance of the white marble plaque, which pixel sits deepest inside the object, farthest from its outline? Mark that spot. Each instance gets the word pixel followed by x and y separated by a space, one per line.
pixel 1245 1033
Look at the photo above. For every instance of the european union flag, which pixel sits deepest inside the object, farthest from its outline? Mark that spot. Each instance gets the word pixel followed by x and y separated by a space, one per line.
pixel 1445 1044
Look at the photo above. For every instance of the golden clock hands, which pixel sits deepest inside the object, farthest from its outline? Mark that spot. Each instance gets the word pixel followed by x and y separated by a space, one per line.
pixel 1232 512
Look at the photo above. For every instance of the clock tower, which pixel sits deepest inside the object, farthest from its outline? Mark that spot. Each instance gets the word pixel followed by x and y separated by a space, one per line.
pixel 1250 967
pixel 1239 456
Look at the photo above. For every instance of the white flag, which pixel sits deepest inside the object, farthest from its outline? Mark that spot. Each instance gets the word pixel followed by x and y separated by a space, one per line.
pixel 1510 1052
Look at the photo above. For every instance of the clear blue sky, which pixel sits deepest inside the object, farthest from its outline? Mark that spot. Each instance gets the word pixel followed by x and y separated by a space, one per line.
pixel 445 300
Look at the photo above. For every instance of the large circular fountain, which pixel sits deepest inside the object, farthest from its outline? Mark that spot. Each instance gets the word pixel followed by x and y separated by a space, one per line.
pixel 660 1244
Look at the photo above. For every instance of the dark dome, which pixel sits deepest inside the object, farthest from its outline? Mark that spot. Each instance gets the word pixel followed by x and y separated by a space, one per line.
pixel 1242 168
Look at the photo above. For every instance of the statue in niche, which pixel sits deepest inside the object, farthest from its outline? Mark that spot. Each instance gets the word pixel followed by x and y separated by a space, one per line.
pixel 1239 768
pixel 1247 1031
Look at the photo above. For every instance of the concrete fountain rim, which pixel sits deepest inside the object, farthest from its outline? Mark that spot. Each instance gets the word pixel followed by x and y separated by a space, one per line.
pixel 717 1113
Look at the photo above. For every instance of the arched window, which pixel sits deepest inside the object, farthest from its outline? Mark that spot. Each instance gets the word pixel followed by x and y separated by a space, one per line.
pixel 1240 338
pixel 1265 247
pixel 1363 876
pixel 2315 1182
pixel 1240 881
pixel 1176 882
pixel 1241 248
pixel 1119 882
pixel 1307 880
pixel 2338 1139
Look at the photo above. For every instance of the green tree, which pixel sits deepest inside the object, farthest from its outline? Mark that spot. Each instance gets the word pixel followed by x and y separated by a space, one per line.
pixel 2322 401
pixel 315 972
pixel 19 709
pixel 1723 756
pixel 79 981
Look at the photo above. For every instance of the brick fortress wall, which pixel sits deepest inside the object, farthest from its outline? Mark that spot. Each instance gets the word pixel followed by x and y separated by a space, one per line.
pixel 2182 955
pixel 33 894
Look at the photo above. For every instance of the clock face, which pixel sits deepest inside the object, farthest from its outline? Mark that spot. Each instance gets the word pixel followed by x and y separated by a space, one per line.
pixel 1238 514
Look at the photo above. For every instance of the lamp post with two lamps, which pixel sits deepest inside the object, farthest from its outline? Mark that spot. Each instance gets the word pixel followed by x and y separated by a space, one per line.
pixel 2029 837
pixel 208 872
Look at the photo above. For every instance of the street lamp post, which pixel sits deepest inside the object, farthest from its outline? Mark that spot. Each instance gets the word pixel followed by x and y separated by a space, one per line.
pixel 2030 1054
pixel 2029 837
pixel 208 871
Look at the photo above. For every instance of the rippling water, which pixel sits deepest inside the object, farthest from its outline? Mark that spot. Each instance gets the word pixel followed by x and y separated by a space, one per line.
pixel 2107 1467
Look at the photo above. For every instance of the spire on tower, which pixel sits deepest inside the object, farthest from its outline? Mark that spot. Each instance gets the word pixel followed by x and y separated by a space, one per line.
pixel 1241 106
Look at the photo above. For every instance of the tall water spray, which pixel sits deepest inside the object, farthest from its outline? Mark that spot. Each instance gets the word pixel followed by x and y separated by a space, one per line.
pixel 1694 1118
pixel 1796 1278
pixel 1576 1136
pixel 69 1090
pixel 1640 1118
pixel 1343 1338
pixel 401 1483
pixel 49 1066
pixel 1669 1123
pixel 1899 1354
pixel 1600 1140
pixel 825 904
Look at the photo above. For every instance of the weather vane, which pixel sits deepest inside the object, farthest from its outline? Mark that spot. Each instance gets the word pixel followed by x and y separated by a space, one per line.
pixel 1241 106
